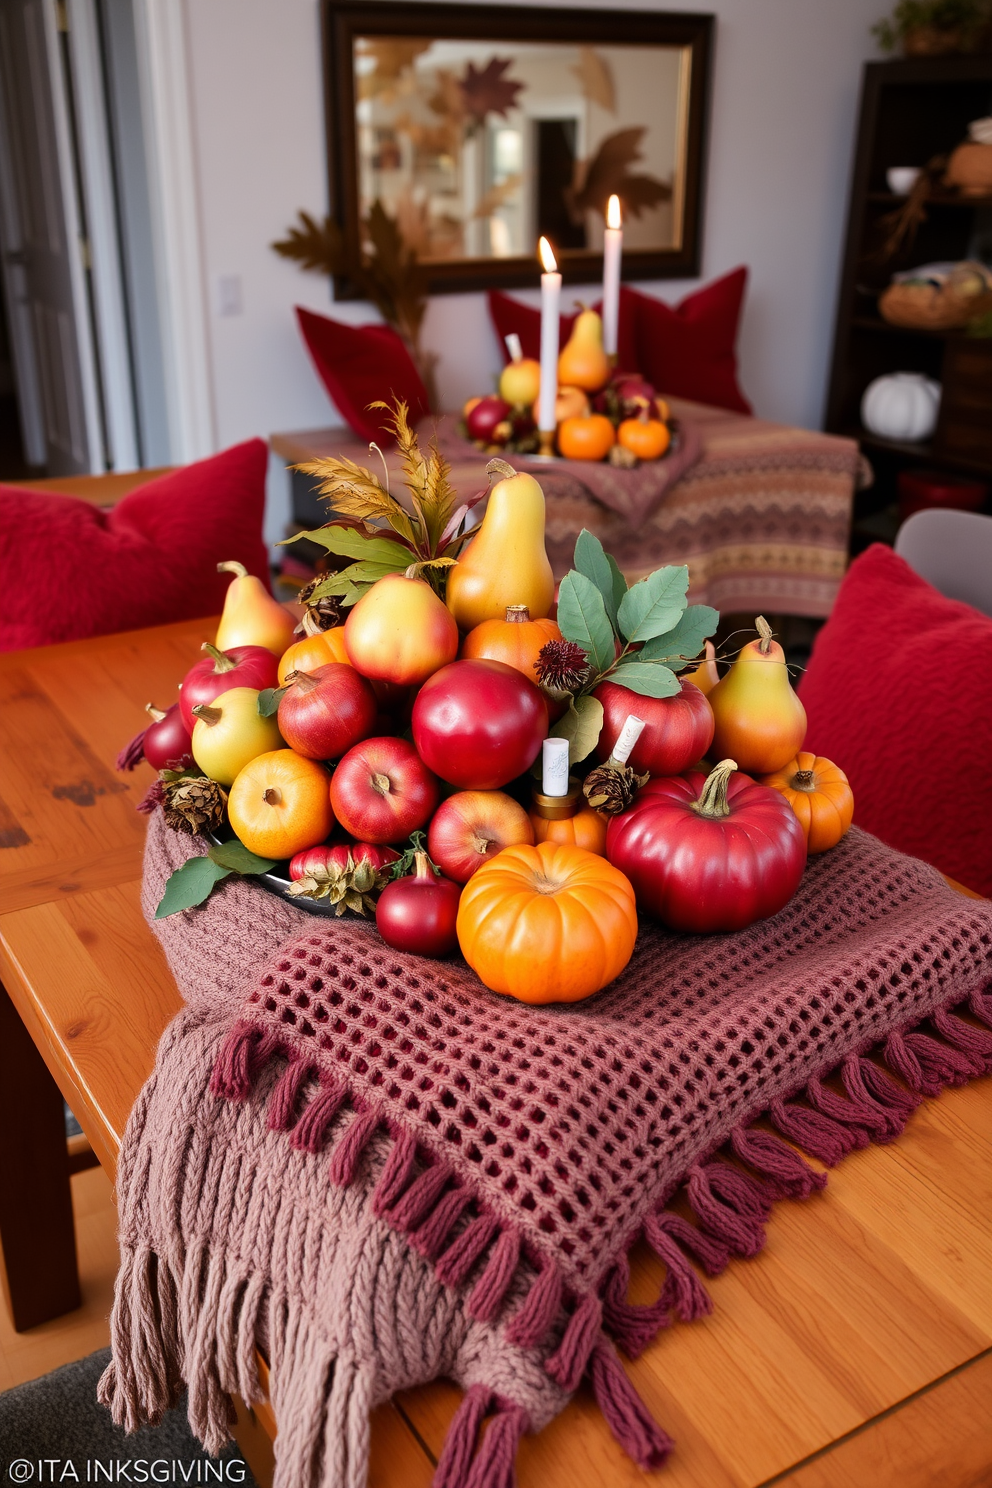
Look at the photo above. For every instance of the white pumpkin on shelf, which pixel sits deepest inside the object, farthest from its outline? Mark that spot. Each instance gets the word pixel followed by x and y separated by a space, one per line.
pixel 901 405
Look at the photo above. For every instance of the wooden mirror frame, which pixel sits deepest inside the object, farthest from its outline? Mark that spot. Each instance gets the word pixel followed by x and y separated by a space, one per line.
pixel 343 20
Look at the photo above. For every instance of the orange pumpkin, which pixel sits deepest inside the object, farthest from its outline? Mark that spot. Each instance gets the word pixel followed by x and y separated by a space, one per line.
pixel 515 640
pixel 312 652
pixel 570 402
pixel 551 923
pixel 647 438
pixel 280 804
pixel 819 793
pixel 588 437
pixel 587 828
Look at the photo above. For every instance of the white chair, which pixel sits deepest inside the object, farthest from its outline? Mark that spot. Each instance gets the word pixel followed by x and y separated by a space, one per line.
pixel 952 550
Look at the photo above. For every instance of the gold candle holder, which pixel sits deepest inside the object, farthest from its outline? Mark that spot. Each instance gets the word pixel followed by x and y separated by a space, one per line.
pixel 547 442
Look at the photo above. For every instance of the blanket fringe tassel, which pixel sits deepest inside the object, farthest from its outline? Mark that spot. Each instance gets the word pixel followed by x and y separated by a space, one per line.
pixel 730 1198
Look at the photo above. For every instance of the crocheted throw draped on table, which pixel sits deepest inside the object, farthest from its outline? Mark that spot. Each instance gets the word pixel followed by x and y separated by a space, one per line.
pixel 378 1172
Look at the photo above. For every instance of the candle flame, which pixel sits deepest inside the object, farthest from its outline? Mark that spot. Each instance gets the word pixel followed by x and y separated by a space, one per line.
pixel 548 260
pixel 613 212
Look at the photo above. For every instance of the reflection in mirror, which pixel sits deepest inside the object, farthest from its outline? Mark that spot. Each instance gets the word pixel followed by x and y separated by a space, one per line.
pixel 478 148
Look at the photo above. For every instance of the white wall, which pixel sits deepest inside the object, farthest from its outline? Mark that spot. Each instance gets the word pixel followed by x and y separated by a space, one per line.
pixel 784 99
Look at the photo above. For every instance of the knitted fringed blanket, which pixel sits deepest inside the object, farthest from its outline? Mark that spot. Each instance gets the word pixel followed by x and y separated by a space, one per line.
pixel 377 1172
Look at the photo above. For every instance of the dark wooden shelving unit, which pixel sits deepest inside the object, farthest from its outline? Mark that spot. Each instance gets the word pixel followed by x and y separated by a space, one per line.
pixel 910 112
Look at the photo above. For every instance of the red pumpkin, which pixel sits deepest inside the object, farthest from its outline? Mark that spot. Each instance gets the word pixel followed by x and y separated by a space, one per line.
pixel 709 853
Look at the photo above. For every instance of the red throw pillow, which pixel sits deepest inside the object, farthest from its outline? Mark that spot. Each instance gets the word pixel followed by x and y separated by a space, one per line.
pixel 687 350
pixel 898 692
pixel 509 316
pixel 359 365
pixel 68 569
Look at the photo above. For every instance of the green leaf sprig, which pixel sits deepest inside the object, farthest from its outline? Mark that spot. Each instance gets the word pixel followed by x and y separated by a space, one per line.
pixel 658 631
pixel 196 880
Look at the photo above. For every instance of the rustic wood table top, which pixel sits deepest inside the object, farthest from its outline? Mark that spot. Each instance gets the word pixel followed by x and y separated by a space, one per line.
pixel 856 1350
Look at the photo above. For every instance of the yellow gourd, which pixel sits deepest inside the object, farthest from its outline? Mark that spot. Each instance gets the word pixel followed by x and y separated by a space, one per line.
pixel 506 562
pixel 583 363
pixel 251 616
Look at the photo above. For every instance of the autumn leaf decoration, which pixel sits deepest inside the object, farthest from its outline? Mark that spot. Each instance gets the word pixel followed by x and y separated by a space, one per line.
pixel 608 174
pixel 375 530
pixel 388 273
pixel 487 90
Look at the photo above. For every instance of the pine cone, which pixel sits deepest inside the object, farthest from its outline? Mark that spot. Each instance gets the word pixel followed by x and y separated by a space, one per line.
pixel 623 458
pixel 610 788
pixel 192 803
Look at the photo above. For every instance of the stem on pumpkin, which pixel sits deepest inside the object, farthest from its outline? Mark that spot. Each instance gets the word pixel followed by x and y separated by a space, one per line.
pixel 517 614
pixel 222 662
pixel 765 632
pixel 803 780
pixel 713 796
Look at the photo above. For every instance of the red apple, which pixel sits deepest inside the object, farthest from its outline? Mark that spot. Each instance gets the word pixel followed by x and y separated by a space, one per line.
pixel 325 857
pixel 381 791
pixel 324 712
pixel 471 826
pixel 418 913
pixel 219 671
pixel 679 729
pixel 479 724
pixel 484 417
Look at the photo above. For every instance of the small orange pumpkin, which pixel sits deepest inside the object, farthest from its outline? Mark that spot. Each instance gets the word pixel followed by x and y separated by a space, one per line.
pixel 515 641
pixel 551 923
pixel 647 438
pixel 587 828
pixel 586 437
pixel 819 793
pixel 312 652
pixel 570 402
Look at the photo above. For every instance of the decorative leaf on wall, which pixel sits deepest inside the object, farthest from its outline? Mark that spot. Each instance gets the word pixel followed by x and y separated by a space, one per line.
pixel 488 91
pixel 394 54
pixel 606 174
pixel 596 78
pixel 317 246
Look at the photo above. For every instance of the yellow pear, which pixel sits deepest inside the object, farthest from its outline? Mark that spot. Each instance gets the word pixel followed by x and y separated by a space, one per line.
pixel 230 732
pixel 506 562
pixel 251 616
pixel 583 363
pixel 705 676
pixel 760 722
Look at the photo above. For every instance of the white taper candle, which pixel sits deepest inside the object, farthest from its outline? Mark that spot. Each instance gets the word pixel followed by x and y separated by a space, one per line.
pixel 550 300
pixel 612 253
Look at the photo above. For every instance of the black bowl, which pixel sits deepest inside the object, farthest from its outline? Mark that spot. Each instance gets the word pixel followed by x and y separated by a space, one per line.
pixel 277 881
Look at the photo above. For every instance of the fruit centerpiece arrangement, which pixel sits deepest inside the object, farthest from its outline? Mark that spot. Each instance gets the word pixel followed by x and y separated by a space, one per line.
pixel 481 764
pixel 600 413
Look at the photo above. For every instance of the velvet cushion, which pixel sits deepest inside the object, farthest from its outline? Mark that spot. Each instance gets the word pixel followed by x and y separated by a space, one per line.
pixel 69 569
pixel 688 350
pixel 509 315
pixel 898 692
pixel 359 365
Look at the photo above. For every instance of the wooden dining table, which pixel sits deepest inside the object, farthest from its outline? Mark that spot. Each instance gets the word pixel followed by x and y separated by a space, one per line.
pixel 855 1350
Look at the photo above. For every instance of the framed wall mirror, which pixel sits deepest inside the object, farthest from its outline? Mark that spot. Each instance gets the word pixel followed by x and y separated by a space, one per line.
pixel 479 128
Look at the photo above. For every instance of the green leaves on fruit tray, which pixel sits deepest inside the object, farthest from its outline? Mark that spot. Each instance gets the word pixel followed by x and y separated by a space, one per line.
pixel 348 542
pixel 655 605
pixel 601 568
pixel 581 726
pixel 269 699
pixel 638 637
pixel 677 647
pixel 582 618
pixel 196 880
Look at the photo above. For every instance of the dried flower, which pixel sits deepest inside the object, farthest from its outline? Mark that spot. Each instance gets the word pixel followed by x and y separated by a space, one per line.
pixel 191 803
pixel 562 666
pixel 351 886
pixel 320 614
pixel 610 788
